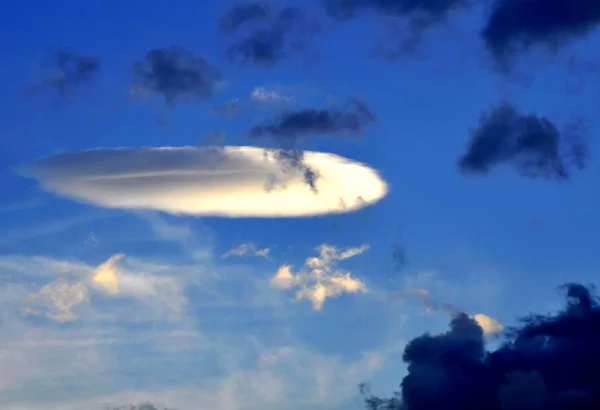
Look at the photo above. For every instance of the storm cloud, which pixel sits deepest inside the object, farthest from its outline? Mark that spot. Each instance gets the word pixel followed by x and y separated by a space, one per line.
pixel 547 362
pixel 530 143
pixel 175 73
pixel 514 27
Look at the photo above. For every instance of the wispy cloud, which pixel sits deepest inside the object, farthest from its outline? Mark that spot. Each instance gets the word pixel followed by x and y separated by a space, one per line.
pixel 230 182
pixel 270 96
pixel 247 249
pixel 321 278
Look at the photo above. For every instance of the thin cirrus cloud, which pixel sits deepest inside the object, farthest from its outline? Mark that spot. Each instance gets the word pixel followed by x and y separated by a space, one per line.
pixel 228 182
pixel 321 278
pixel 246 249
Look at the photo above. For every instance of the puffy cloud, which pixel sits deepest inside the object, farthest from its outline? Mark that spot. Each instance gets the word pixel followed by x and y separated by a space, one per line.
pixel 69 72
pixel 546 362
pixel 532 144
pixel 230 181
pixel 514 27
pixel 263 34
pixel 175 73
pixel 488 324
pixel 247 249
pixel 106 277
pixel 321 278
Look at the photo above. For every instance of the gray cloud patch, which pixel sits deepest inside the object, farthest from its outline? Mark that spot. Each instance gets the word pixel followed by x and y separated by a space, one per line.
pixel 69 71
pixel 530 143
pixel 175 73
pixel 262 34
pixel 515 26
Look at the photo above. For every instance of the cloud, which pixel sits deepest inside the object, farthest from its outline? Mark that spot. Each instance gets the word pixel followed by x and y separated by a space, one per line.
pixel 57 299
pixel 229 109
pixel 263 34
pixel 514 27
pixel 321 278
pixel 247 249
pixel 419 14
pixel 489 325
pixel 69 72
pixel 530 143
pixel 264 95
pixel 106 277
pixel 227 182
pixel 292 125
pixel 546 362
pixel 175 73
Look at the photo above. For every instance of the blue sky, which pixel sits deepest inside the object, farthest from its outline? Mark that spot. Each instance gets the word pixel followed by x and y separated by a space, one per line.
pixel 190 328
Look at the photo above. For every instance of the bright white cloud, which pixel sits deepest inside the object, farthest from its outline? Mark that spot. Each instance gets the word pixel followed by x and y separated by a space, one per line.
pixel 57 299
pixel 229 181
pixel 489 325
pixel 247 249
pixel 320 278
pixel 106 277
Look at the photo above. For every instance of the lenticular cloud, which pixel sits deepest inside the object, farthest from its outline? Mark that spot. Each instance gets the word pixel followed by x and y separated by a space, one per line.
pixel 226 181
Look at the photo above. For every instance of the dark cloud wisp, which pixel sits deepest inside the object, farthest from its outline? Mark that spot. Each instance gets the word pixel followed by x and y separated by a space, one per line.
pixel 516 26
pixel 263 34
pixel 532 144
pixel 548 362
pixel 175 73
pixel 293 125
pixel 69 71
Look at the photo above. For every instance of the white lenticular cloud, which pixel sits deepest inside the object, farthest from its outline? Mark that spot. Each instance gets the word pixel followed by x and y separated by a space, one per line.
pixel 206 181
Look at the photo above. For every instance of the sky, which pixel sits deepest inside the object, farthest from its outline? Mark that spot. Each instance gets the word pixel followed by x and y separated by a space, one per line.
pixel 246 205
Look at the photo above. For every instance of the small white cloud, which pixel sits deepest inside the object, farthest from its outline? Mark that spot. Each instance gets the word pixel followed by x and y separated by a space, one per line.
pixel 266 95
pixel 227 182
pixel 489 325
pixel 247 249
pixel 106 277
pixel 321 278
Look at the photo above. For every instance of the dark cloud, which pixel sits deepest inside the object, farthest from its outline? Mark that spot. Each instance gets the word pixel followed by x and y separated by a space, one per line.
pixel 264 34
pixel 68 72
pixel 144 406
pixel 532 144
pixel 175 73
pixel 419 14
pixel 516 26
pixel 547 362
pixel 293 125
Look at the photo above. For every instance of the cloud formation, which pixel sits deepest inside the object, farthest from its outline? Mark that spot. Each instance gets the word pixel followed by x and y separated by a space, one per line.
pixel 514 27
pixel 270 96
pixel 56 300
pixel 352 118
pixel 419 14
pixel 530 143
pixel 247 249
pixel 175 73
pixel 264 34
pixel 547 362
pixel 227 182
pixel 69 71
pixel 321 278
pixel 489 325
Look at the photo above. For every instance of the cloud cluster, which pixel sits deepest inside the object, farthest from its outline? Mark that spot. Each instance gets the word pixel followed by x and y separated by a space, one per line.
pixel 229 181
pixel 321 278
pixel 532 144
pixel 514 27
pixel 175 73
pixel 264 34
pixel 69 72
pixel 548 362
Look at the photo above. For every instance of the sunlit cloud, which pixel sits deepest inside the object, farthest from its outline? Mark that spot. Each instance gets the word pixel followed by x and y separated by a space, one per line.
pixel 105 275
pixel 228 181
pixel 320 278
pixel 489 325
pixel 247 249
